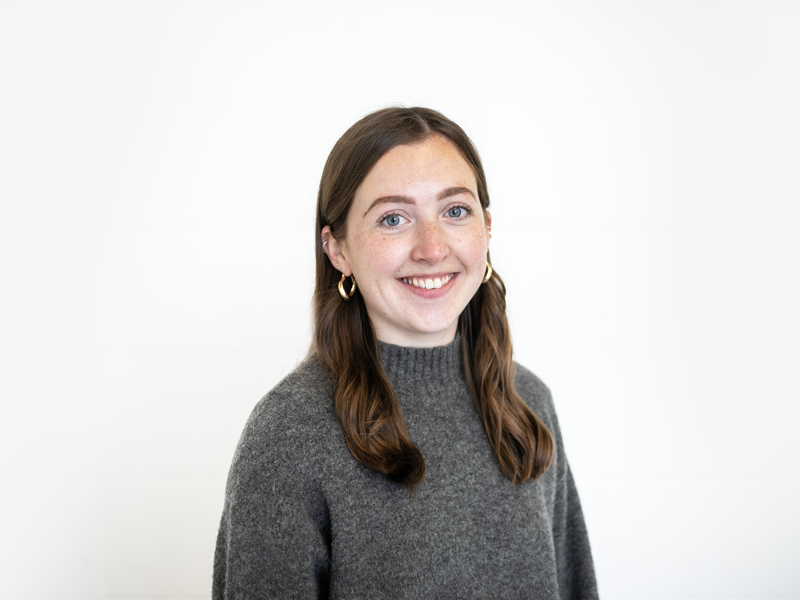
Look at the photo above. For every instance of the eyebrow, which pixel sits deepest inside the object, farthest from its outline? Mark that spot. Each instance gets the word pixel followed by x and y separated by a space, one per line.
pixel 451 191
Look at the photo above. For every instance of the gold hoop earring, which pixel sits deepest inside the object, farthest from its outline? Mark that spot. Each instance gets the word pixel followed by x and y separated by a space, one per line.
pixel 488 275
pixel 344 294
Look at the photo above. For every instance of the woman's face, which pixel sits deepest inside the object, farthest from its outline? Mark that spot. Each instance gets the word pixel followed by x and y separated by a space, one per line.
pixel 416 242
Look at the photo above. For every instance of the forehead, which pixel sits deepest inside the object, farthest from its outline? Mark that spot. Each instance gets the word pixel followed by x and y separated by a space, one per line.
pixel 420 168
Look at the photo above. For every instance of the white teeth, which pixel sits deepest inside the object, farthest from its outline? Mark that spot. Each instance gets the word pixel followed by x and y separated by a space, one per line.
pixel 428 284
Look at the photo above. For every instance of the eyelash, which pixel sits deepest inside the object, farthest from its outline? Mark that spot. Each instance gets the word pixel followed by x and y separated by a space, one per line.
pixel 464 207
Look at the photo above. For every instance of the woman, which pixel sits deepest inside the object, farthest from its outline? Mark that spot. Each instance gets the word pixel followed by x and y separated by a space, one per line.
pixel 408 456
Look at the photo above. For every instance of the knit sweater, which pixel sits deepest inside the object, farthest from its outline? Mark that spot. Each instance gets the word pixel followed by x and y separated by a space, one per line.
pixel 304 519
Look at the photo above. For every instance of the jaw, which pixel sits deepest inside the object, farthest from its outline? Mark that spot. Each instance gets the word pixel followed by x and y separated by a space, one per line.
pixel 408 315
pixel 418 317
pixel 415 335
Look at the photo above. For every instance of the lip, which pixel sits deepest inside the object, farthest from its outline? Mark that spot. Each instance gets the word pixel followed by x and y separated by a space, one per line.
pixel 426 293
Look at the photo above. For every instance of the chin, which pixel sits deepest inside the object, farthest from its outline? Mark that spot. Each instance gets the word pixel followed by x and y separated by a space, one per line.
pixel 430 328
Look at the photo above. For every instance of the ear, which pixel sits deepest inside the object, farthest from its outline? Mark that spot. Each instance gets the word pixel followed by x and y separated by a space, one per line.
pixel 487 216
pixel 334 249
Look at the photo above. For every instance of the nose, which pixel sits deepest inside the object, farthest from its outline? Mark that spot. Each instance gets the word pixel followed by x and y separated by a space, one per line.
pixel 430 244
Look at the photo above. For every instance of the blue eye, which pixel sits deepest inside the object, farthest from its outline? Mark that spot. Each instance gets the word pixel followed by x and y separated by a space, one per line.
pixel 455 212
pixel 392 220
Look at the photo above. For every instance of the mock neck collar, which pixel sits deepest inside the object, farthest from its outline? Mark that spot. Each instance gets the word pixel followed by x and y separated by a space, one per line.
pixel 440 363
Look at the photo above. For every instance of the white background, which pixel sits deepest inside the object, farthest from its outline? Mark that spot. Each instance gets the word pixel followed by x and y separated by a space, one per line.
pixel 158 173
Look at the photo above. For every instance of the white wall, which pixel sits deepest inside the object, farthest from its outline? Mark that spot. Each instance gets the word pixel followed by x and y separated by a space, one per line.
pixel 158 170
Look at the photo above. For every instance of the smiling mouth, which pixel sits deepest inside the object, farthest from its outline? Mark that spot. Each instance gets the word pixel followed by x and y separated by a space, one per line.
pixel 428 283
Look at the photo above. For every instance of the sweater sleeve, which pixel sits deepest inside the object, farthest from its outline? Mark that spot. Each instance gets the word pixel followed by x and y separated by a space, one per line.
pixel 576 577
pixel 274 536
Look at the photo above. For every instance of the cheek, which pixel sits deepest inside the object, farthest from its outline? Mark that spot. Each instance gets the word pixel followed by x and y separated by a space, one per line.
pixel 475 250
pixel 379 257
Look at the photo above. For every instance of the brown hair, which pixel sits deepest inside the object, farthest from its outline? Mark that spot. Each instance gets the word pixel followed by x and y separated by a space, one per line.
pixel 345 343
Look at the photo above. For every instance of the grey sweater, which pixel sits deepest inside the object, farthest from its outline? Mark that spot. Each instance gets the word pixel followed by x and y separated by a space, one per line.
pixel 304 519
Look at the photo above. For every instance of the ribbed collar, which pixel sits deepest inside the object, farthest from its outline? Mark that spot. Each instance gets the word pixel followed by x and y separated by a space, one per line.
pixel 441 363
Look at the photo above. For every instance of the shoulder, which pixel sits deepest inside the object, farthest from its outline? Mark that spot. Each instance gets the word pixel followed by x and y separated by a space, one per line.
pixel 537 396
pixel 302 394
pixel 534 392
pixel 292 424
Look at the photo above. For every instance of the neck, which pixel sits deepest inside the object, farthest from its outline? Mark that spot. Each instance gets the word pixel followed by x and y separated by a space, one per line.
pixel 417 339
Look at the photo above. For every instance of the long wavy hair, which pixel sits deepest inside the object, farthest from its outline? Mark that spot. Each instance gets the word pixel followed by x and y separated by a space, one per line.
pixel 344 340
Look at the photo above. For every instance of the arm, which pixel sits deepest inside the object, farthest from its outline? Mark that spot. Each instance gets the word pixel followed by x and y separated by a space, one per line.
pixel 576 578
pixel 574 565
pixel 274 536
